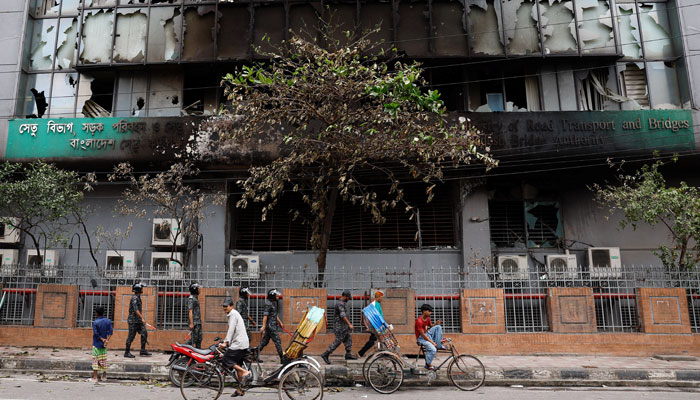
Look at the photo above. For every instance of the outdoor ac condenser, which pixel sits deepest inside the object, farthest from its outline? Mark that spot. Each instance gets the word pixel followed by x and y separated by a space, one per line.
pixel 244 267
pixel 561 266
pixel 120 264
pixel 162 267
pixel 165 232
pixel 45 265
pixel 8 232
pixel 512 268
pixel 9 258
pixel 604 262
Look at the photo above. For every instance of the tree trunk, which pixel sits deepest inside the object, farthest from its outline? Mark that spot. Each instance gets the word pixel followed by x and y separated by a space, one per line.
pixel 92 251
pixel 326 236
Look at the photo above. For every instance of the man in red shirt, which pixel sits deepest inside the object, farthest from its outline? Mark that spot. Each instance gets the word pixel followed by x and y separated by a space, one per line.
pixel 428 335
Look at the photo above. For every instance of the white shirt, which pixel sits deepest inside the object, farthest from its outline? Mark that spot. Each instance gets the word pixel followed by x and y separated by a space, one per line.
pixel 236 336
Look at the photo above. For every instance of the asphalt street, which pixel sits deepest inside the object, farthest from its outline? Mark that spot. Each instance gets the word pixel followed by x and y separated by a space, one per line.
pixel 57 388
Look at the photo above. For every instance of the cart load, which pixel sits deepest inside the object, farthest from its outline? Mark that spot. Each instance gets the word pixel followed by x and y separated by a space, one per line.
pixel 378 326
pixel 310 324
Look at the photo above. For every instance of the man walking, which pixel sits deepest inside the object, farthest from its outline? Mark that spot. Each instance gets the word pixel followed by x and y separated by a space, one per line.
pixel 101 333
pixel 342 328
pixel 195 316
pixel 270 323
pixel 378 296
pixel 137 323
pixel 237 344
pixel 242 308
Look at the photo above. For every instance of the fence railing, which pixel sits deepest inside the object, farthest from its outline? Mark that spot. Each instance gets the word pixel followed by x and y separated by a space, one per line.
pixel 525 291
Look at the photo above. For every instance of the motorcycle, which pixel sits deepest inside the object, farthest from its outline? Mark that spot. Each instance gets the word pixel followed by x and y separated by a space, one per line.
pixel 184 354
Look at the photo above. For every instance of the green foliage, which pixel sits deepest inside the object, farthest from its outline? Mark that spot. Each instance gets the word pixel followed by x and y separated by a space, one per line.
pixel 644 197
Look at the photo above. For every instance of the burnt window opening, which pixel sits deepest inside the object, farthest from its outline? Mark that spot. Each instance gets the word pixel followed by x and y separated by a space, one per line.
pixel 524 224
pixel 352 228
pixel 40 102
pixel 101 94
pixel 200 94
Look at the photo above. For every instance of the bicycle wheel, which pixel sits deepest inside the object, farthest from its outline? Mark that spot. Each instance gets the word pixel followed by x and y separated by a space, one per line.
pixel 385 374
pixel 365 365
pixel 301 383
pixel 466 372
pixel 176 374
pixel 201 381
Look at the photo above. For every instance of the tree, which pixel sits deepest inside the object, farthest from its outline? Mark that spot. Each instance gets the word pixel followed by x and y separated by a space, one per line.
pixel 644 197
pixel 46 200
pixel 166 195
pixel 347 124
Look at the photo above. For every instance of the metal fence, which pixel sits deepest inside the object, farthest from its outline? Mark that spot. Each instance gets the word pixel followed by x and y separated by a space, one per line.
pixel 525 292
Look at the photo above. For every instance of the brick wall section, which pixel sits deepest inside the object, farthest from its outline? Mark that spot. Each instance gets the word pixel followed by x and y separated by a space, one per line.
pixel 482 311
pixel 121 307
pixel 295 303
pixel 399 306
pixel 663 310
pixel 213 315
pixel 55 306
pixel 571 310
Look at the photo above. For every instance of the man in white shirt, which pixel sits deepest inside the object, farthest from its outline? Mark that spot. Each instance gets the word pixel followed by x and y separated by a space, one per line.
pixel 237 342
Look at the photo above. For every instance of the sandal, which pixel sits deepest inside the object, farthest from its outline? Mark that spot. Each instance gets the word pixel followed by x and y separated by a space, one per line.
pixel 237 393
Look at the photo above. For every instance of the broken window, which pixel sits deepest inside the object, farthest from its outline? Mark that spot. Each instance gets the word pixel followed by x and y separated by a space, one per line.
pixel 628 26
pixel 95 94
pixel 485 33
pixel 130 40
pixel 100 3
pixel 663 85
pixel 34 103
pixel 558 26
pixel 96 44
pixel 67 42
pixel 45 7
pixel 597 90
pixel 522 94
pixel 70 7
pixel 165 28
pixel 131 94
pixel 544 224
pixel 63 95
pixel 200 94
pixel 489 91
pixel 233 23
pixel 43 42
pixel 595 26
pixel 656 30
pixel 634 86
pixel 165 93
pixel 521 30
pixel 525 224
pixel 199 33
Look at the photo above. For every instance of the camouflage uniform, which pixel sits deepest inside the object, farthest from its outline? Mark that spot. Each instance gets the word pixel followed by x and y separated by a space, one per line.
pixel 271 328
pixel 135 323
pixel 341 330
pixel 196 333
pixel 242 308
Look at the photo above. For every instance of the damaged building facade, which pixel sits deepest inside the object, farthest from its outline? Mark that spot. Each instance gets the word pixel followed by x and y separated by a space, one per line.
pixel 561 85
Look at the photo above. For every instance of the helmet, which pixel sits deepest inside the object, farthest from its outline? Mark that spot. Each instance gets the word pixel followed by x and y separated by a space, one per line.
pixel 194 288
pixel 427 307
pixel 272 293
pixel 347 294
pixel 137 287
pixel 243 292
pixel 227 302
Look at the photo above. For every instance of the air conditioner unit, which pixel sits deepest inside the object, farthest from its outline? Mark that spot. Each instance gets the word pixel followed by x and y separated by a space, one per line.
pixel 121 264
pixel 8 232
pixel 561 266
pixel 604 262
pixel 9 258
pixel 162 267
pixel 165 232
pixel 244 267
pixel 45 265
pixel 513 267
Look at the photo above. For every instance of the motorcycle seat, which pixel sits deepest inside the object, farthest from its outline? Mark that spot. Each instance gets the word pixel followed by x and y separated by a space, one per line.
pixel 203 352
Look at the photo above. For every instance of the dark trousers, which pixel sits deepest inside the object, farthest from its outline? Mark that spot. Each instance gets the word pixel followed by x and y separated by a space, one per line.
pixel 275 337
pixel 343 337
pixel 370 342
pixel 196 337
pixel 134 328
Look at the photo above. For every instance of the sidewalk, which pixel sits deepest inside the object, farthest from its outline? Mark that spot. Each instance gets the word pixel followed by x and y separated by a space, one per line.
pixel 541 370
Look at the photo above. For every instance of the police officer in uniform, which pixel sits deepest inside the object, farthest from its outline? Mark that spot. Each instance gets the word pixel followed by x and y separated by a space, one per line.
pixel 342 328
pixel 242 308
pixel 195 316
pixel 137 323
pixel 270 323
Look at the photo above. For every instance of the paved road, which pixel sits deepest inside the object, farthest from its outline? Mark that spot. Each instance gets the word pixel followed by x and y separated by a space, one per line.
pixel 39 388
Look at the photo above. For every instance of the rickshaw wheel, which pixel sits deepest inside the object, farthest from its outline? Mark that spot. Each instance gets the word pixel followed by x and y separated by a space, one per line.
pixel 301 383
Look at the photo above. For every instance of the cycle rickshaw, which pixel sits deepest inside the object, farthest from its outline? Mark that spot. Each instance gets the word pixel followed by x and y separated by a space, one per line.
pixel 299 377
pixel 384 370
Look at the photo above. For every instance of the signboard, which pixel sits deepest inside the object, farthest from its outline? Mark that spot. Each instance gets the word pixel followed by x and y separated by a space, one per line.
pixel 97 138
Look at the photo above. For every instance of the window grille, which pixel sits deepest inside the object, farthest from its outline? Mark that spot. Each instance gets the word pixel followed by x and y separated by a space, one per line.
pixel 507 223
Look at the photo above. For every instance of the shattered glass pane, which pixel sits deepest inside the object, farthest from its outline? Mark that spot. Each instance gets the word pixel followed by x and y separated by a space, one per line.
pixel 100 3
pixel 484 20
pixel 97 37
pixel 45 7
pixel 131 94
pixel 521 27
pixel 165 27
pixel 656 30
pixel 67 37
pixel 130 42
pixel 629 31
pixel 595 26
pixel 663 85
pixel 34 103
pixel 199 33
pixel 63 95
pixel 42 44
pixel 70 7
pixel 165 94
pixel 558 26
